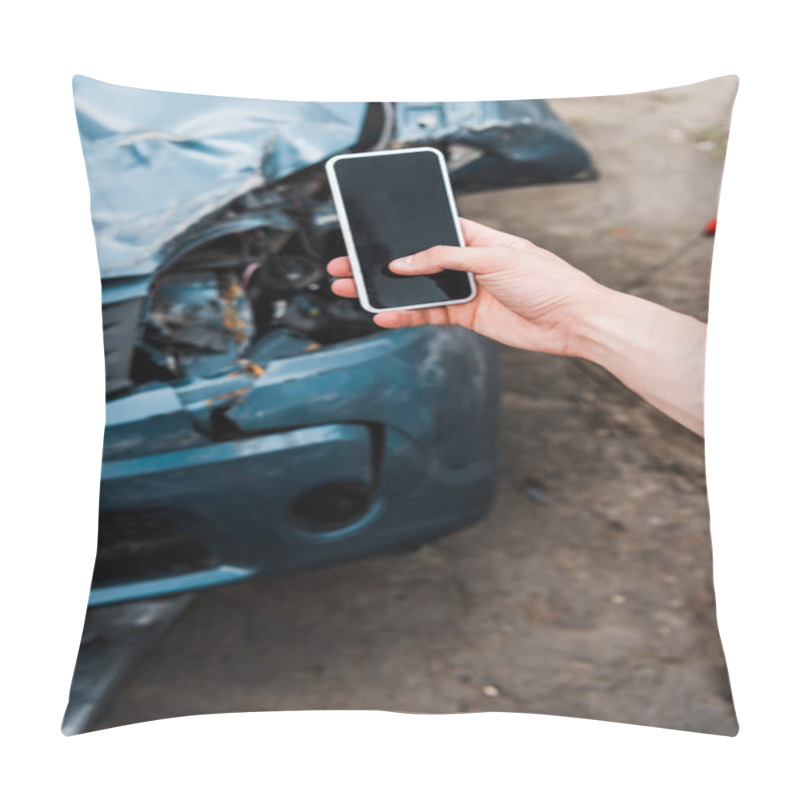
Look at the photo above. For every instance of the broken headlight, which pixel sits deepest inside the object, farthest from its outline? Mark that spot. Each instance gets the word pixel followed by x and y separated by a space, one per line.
pixel 229 298
pixel 198 322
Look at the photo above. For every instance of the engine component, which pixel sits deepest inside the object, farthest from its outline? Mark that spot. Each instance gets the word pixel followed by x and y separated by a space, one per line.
pixel 284 272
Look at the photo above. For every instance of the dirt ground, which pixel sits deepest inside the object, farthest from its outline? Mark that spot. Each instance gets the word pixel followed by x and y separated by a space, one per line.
pixel 587 591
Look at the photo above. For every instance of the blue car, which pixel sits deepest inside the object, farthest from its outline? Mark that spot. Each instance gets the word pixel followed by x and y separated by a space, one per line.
pixel 255 422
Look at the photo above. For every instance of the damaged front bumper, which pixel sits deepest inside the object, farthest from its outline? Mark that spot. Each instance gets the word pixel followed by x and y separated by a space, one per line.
pixel 331 454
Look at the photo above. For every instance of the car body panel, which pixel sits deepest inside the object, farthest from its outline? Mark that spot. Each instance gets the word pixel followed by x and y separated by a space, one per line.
pixel 185 155
pixel 411 415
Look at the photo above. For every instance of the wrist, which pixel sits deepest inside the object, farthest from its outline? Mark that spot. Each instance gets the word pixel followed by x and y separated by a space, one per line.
pixel 600 321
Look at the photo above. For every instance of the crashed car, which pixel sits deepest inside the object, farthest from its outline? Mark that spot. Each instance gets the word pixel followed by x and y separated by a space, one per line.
pixel 255 422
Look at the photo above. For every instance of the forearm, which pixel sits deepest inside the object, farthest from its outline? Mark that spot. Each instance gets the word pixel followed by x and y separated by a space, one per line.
pixel 656 352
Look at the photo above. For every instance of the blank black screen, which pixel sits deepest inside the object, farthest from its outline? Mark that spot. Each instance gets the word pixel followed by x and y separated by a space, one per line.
pixel 397 205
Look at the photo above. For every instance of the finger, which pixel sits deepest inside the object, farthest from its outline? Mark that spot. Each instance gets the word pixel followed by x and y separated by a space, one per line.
pixel 402 319
pixel 478 235
pixel 340 267
pixel 344 287
pixel 465 259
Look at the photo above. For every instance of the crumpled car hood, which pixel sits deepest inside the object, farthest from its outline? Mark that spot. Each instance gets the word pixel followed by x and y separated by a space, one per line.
pixel 158 162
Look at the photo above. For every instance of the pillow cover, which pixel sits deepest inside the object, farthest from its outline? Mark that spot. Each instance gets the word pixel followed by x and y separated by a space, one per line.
pixel 318 512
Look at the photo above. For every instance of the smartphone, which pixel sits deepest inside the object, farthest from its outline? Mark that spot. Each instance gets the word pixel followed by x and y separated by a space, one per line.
pixel 391 204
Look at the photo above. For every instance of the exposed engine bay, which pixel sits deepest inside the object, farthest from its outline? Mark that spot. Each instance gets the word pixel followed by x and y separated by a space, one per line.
pixel 249 284
pixel 196 285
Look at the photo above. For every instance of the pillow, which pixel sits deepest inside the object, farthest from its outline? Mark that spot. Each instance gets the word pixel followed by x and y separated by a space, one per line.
pixel 316 511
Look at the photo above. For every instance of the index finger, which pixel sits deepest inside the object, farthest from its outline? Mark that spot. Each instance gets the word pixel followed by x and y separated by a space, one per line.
pixel 340 267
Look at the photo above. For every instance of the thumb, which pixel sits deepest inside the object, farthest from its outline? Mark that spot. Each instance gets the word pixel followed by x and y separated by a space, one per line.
pixel 479 260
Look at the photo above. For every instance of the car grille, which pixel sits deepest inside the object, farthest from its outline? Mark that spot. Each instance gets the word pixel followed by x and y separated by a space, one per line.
pixel 149 543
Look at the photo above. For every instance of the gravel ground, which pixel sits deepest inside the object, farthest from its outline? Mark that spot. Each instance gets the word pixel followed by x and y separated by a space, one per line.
pixel 587 591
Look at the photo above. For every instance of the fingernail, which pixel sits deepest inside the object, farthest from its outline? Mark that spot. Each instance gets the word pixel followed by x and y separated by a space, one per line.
pixel 400 264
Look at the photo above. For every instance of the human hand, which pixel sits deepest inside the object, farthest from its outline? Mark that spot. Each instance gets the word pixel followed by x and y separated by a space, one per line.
pixel 530 298
pixel 526 296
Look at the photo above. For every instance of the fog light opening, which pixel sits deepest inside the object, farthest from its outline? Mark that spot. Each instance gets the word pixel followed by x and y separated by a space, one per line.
pixel 332 505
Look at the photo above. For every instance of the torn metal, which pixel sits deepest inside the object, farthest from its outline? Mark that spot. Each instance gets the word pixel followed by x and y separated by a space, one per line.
pixel 113 641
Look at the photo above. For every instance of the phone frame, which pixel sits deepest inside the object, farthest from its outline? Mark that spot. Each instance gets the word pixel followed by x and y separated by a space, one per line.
pixel 338 201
